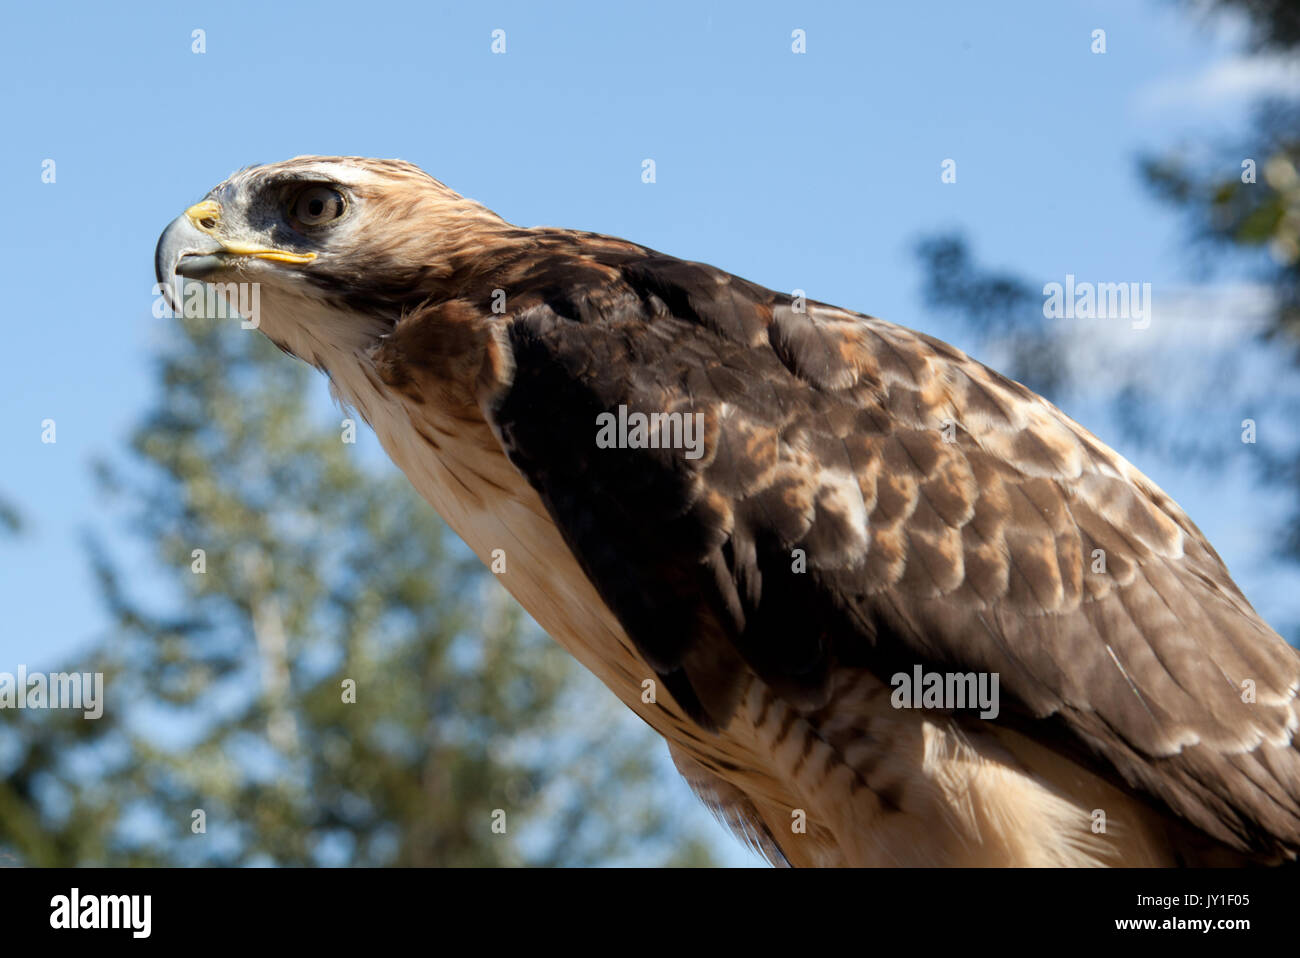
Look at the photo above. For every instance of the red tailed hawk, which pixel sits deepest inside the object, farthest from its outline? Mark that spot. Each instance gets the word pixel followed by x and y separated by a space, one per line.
pixel 786 534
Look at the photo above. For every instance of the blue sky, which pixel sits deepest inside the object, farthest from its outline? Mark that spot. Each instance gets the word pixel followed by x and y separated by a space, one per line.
pixel 815 171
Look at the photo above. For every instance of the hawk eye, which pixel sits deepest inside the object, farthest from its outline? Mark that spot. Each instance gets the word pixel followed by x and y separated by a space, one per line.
pixel 317 205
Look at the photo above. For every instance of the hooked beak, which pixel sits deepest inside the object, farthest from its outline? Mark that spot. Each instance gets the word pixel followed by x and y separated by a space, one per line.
pixel 190 247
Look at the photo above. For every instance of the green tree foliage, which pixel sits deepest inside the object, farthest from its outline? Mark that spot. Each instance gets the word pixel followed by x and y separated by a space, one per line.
pixel 228 670
pixel 1242 218
pixel 11 520
pixel 1242 206
pixel 1245 199
pixel 1273 24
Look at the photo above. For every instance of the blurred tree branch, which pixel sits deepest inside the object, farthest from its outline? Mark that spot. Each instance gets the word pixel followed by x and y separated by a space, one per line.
pixel 283 571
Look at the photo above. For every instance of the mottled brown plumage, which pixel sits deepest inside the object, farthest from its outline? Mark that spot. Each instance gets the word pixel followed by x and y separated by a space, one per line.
pixel 869 499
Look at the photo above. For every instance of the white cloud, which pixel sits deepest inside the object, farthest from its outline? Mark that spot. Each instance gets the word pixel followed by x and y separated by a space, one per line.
pixel 1194 330
pixel 1226 82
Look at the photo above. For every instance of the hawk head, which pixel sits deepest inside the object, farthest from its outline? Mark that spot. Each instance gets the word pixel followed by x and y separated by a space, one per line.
pixel 340 248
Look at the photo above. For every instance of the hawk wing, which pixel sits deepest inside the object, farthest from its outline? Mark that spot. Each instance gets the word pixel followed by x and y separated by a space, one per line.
pixel 947 516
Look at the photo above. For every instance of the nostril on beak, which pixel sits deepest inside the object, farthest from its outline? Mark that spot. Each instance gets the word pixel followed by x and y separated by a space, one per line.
pixel 205 215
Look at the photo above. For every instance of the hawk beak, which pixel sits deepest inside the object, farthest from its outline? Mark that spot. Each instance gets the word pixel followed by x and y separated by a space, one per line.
pixel 190 247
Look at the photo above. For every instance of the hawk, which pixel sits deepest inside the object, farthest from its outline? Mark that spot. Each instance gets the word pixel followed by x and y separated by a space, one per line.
pixel 850 505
